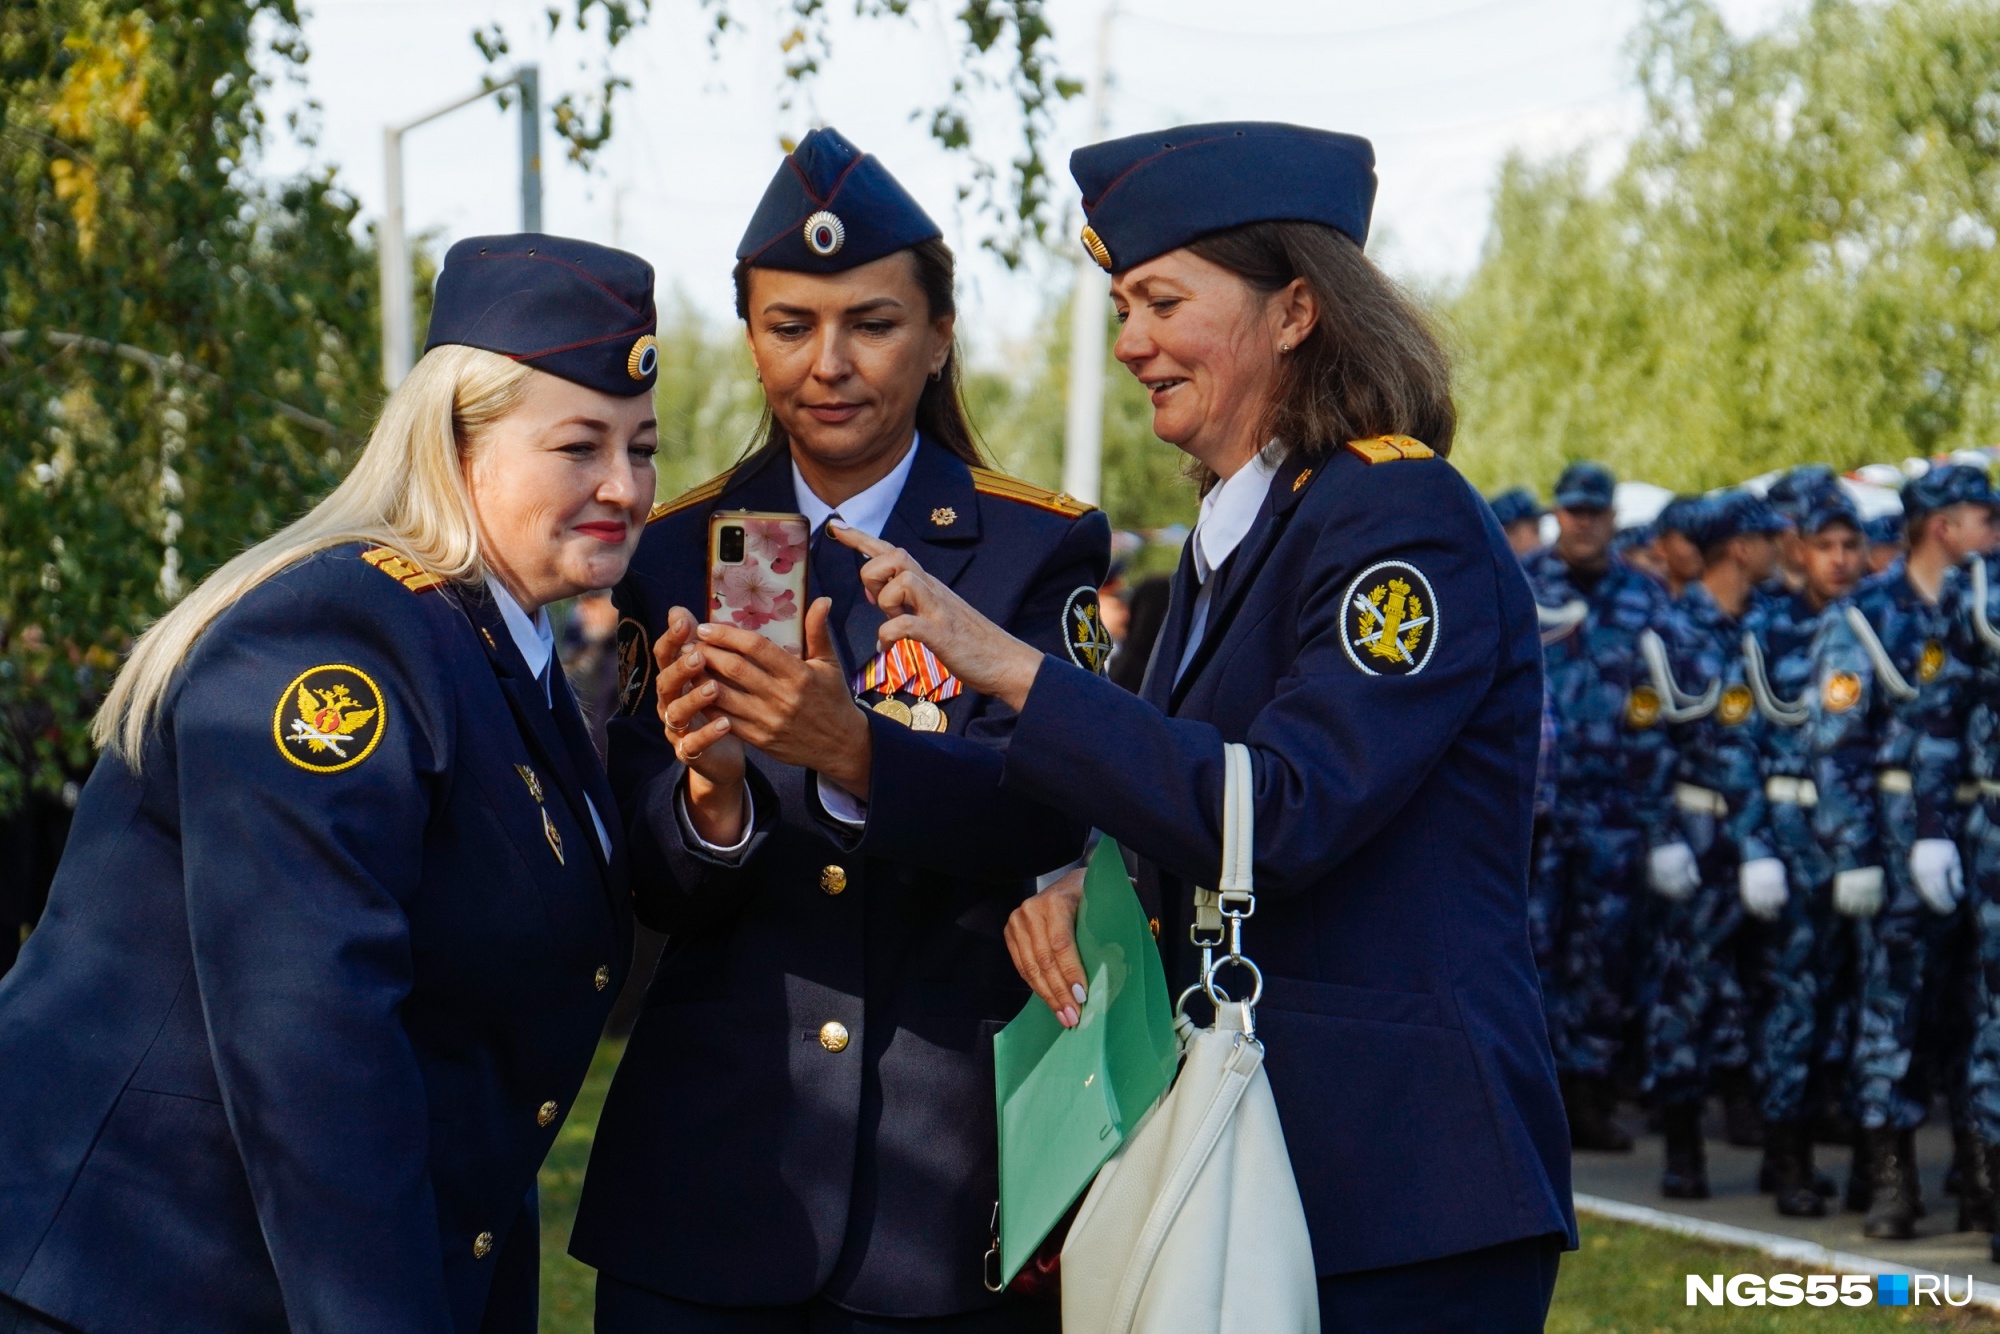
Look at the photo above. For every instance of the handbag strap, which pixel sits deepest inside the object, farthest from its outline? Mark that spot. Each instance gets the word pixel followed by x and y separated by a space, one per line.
pixel 1219 913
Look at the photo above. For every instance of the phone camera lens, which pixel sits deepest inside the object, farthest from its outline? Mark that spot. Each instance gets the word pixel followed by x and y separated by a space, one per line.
pixel 730 544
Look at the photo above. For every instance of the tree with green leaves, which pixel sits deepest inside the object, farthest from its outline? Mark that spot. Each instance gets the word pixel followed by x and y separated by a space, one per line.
pixel 1794 261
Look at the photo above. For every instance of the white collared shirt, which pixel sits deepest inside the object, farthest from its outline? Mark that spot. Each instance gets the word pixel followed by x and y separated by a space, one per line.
pixel 537 641
pixel 1228 512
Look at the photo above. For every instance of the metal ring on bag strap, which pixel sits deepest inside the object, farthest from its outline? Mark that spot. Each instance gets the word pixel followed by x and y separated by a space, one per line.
pixel 1232 901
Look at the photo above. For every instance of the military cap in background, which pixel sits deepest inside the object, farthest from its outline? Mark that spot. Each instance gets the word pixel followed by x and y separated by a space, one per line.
pixel 1585 486
pixel 1824 508
pixel 1150 193
pixel 831 208
pixel 1793 493
pixel 1514 505
pixel 1884 530
pixel 577 310
pixel 1681 515
pixel 1941 488
pixel 1736 513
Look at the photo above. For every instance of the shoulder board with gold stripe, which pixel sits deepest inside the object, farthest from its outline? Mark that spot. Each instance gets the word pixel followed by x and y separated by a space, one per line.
pixel 707 491
pixel 1390 448
pixel 410 575
pixel 989 483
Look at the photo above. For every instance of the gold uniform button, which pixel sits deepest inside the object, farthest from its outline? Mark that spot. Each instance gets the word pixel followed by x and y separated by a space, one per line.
pixel 833 1035
pixel 482 1245
pixel 545 1114
pixel 833 880
pixel 603 976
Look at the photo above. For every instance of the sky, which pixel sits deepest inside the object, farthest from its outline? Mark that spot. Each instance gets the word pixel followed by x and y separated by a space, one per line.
pixel 1445 89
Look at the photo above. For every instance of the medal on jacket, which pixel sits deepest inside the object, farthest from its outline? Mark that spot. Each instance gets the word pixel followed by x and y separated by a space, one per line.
pixel 909 667
pixel 548 826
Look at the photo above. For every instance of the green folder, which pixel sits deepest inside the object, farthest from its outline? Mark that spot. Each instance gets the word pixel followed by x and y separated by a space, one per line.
pixel 1068 1097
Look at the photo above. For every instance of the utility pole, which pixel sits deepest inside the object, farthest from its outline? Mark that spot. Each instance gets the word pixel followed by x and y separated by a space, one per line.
pixel 1083 434
pixel 392 246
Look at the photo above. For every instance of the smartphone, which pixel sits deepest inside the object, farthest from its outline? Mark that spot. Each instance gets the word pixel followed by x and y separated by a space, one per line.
pixel 757 574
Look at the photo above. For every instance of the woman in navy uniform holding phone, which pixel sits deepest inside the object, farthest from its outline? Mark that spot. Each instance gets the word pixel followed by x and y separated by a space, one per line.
pixel 344 907
pixel 1349 609
pixel 801 1135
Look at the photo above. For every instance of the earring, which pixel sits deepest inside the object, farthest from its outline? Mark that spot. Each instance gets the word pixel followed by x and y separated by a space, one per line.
pixel 1284 347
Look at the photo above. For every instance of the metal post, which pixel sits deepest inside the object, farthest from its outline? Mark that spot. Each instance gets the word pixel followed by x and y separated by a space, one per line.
pixel 392 249
pixel 394 255
pixel 1083 432
pixel 528 80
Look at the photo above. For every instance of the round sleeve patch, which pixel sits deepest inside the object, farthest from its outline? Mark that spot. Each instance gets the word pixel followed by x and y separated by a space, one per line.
pixel 1084 635
pixel 635 666
pixel 329 718
pixel 1389 619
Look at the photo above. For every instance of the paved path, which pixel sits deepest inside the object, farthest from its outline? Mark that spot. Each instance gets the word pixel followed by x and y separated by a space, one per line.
pixel 1732 1174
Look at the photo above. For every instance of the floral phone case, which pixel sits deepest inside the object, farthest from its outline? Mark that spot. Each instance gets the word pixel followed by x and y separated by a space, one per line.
pixel 757 574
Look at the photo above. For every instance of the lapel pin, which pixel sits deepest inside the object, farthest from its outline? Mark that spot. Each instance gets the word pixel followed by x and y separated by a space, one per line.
pixel 944 516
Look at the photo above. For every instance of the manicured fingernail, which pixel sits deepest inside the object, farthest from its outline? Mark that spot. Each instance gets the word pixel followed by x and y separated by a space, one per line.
pixel 1069 1016
pixel 708 692
pixel 1076 990
pixel 835 523
pixel 705 630
pixel 692 660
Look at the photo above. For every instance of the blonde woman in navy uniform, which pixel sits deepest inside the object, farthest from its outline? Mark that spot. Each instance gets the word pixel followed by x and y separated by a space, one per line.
pixel 1349 609
pixel 344 907
pixel 801 1134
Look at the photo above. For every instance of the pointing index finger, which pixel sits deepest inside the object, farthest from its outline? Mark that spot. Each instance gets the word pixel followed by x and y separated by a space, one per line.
pixel 849 535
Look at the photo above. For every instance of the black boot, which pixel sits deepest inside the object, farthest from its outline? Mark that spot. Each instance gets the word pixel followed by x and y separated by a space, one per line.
pixel 1894 1201
pixel 1586 1100
pixel 1788 1151
pixel 1975 1186
pixel 1743 1126
pixel 1686 1177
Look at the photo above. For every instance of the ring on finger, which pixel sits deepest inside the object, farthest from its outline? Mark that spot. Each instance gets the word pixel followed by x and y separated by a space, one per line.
pixel 677 731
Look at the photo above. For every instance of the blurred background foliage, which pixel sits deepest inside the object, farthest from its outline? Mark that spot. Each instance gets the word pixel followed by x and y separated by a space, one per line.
pixel 1795 260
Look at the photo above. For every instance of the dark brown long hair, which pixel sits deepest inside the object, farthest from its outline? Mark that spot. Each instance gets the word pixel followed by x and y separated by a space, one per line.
pixel 941 406
pixel 1371 366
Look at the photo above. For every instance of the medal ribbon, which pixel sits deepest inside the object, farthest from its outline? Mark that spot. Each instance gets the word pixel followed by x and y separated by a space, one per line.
pixel 908 665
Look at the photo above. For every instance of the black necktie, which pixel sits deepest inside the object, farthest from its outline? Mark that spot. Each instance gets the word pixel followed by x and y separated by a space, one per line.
pixel 836 568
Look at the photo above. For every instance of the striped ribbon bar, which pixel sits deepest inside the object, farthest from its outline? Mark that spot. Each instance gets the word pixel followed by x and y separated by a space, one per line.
pixel 908 665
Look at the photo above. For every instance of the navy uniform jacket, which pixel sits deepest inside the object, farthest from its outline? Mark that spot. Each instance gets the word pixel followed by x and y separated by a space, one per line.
pixel 739 1161
pixel 1408 1051
pixel 314 991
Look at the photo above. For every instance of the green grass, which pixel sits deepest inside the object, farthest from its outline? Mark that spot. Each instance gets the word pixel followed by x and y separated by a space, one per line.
pixel 1633 1280
pixel 1627 1279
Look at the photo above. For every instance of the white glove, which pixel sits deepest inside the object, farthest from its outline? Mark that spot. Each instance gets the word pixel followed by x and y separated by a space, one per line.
pixel 1761 882
pixel 1938 873
pixel 1858 893
pixel 1671 871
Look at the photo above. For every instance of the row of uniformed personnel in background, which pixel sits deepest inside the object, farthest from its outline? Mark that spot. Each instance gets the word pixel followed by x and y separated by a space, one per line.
pixel 1771 775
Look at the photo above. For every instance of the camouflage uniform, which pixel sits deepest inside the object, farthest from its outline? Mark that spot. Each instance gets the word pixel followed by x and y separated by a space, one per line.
pixel 1797 961
pixel 1613 771
pixel 1696 1025
pixel 1886 765
pixel 1974 622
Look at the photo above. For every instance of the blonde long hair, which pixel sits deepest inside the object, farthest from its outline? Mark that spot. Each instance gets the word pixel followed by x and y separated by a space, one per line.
pixel 406 492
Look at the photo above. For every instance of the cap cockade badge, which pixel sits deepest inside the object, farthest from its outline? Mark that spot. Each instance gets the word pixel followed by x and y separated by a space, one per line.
pixel 1390 619
pixel 644 357
pixel 328 719
pixel 1095 245
pixel 825 233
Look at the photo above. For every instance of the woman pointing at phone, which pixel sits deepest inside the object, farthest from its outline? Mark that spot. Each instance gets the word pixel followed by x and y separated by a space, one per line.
pixel 1349 610
pixel 801 1135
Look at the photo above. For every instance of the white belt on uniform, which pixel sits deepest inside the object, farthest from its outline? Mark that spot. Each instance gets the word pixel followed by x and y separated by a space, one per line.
pixel 1700 800
pixel 1896 781
pixel 1792 791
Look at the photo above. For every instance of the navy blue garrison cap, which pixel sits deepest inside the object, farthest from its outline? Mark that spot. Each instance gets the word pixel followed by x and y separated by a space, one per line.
pixel 1585 486
pixel 1941 488
pixel 1150 193
pixel 832 208
pixel 577 310
pixel 1514 505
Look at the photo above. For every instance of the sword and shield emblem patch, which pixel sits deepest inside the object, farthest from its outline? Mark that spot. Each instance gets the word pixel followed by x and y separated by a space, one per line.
pixel 1389 619
pixel 329 718
pixel 635 665
pixel 1084 635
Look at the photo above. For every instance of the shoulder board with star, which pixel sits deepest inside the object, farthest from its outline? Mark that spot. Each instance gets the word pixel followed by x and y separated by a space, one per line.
pixel 1391 449
pixel 405 572
pixel 699 495
pixel 989 483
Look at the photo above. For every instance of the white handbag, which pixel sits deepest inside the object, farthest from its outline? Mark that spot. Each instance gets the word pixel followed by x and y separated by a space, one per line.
pixel 1194 1226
